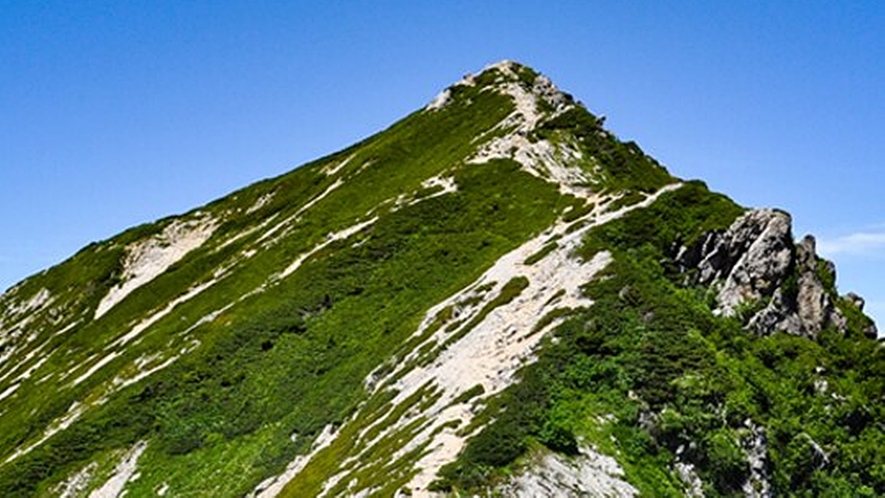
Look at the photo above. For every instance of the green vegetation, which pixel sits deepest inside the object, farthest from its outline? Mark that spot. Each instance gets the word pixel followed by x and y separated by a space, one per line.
pixel 680 217
pixel 538 256
pixel 289 361
pixel 624 165
pixel 255 366
pixel 469 394
pixel 651 366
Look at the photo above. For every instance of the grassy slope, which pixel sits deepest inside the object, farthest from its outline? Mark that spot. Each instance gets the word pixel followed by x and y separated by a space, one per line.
pixel 292 360
pixel 652 350
pixel 276 368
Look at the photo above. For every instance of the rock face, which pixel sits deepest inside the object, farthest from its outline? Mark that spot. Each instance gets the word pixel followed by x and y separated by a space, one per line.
pixel 753 257
pixel 587 474
pixel 758 484
pixel 759 271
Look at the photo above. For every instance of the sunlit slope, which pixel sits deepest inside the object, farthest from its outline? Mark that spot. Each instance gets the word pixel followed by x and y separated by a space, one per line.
pixel 490 291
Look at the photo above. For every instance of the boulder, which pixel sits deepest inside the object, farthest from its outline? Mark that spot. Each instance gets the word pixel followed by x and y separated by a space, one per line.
pixel 756 264
pixel 856 300
pixel 750 258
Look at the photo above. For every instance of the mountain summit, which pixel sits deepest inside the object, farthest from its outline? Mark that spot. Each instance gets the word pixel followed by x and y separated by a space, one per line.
pixel 494 296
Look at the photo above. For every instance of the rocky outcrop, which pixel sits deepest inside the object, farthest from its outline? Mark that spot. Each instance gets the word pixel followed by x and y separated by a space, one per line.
pixel 587 474
pixel 765 278
pixel 856 300
pixel 755 445
pixel 752 257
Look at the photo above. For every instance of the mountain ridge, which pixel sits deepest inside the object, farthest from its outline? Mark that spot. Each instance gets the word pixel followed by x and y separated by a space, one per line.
pixel 360 326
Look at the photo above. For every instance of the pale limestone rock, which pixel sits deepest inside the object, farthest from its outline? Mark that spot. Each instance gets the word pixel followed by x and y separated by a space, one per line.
pixel 758 484
pixel 587 474
pixel 694 486
pixel 123 474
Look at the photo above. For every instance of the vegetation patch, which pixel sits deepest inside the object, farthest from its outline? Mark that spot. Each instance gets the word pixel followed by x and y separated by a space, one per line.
pixel 624 165
pixel 538 256
pixel 652 377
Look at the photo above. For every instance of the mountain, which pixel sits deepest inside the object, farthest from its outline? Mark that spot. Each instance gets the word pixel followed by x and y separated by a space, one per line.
pixel 494 296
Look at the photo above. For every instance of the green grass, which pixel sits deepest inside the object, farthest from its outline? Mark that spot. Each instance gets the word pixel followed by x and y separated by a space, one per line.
pixel 538 256
pixel 651 349
pixel 291 358
pixel 624 165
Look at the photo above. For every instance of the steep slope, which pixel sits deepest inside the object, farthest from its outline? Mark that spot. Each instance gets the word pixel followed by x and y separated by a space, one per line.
pixel 492 294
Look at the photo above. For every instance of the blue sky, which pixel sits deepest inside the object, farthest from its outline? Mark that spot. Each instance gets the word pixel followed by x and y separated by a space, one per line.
pixel 117 113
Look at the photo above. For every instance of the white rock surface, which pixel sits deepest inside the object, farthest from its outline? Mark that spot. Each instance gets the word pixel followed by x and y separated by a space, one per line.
pixel 334 169
pixel 758 484
pixel 556 163
pixel 262 201
pixel 587 474
pixel 125 472
pixel 694 487
pixel 147 259
pixel 77 483
pixel 440 101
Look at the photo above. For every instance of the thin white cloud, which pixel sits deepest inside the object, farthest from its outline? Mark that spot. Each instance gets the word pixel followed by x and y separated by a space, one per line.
pixel 860 243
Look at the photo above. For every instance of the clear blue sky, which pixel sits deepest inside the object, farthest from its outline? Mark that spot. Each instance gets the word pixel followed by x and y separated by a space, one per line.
pixel 117 113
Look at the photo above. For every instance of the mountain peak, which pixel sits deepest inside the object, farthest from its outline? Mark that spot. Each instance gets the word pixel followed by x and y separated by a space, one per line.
pixel 535 100
pixel 494 295
pixel 524 85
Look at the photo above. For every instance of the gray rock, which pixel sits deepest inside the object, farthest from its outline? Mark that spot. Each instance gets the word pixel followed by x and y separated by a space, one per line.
pixel 691 256
pixel 545 89
pixel 756 253
pixel 870 329
pixel 806 253
pixel 588 474
pixel 694 486
pixel 756 262
pixel 813 305
pixel 856 300
pixel 776 316
pixel 755 445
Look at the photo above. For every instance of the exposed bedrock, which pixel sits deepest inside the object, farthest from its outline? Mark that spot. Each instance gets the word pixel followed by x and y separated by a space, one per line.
pixel 761 275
